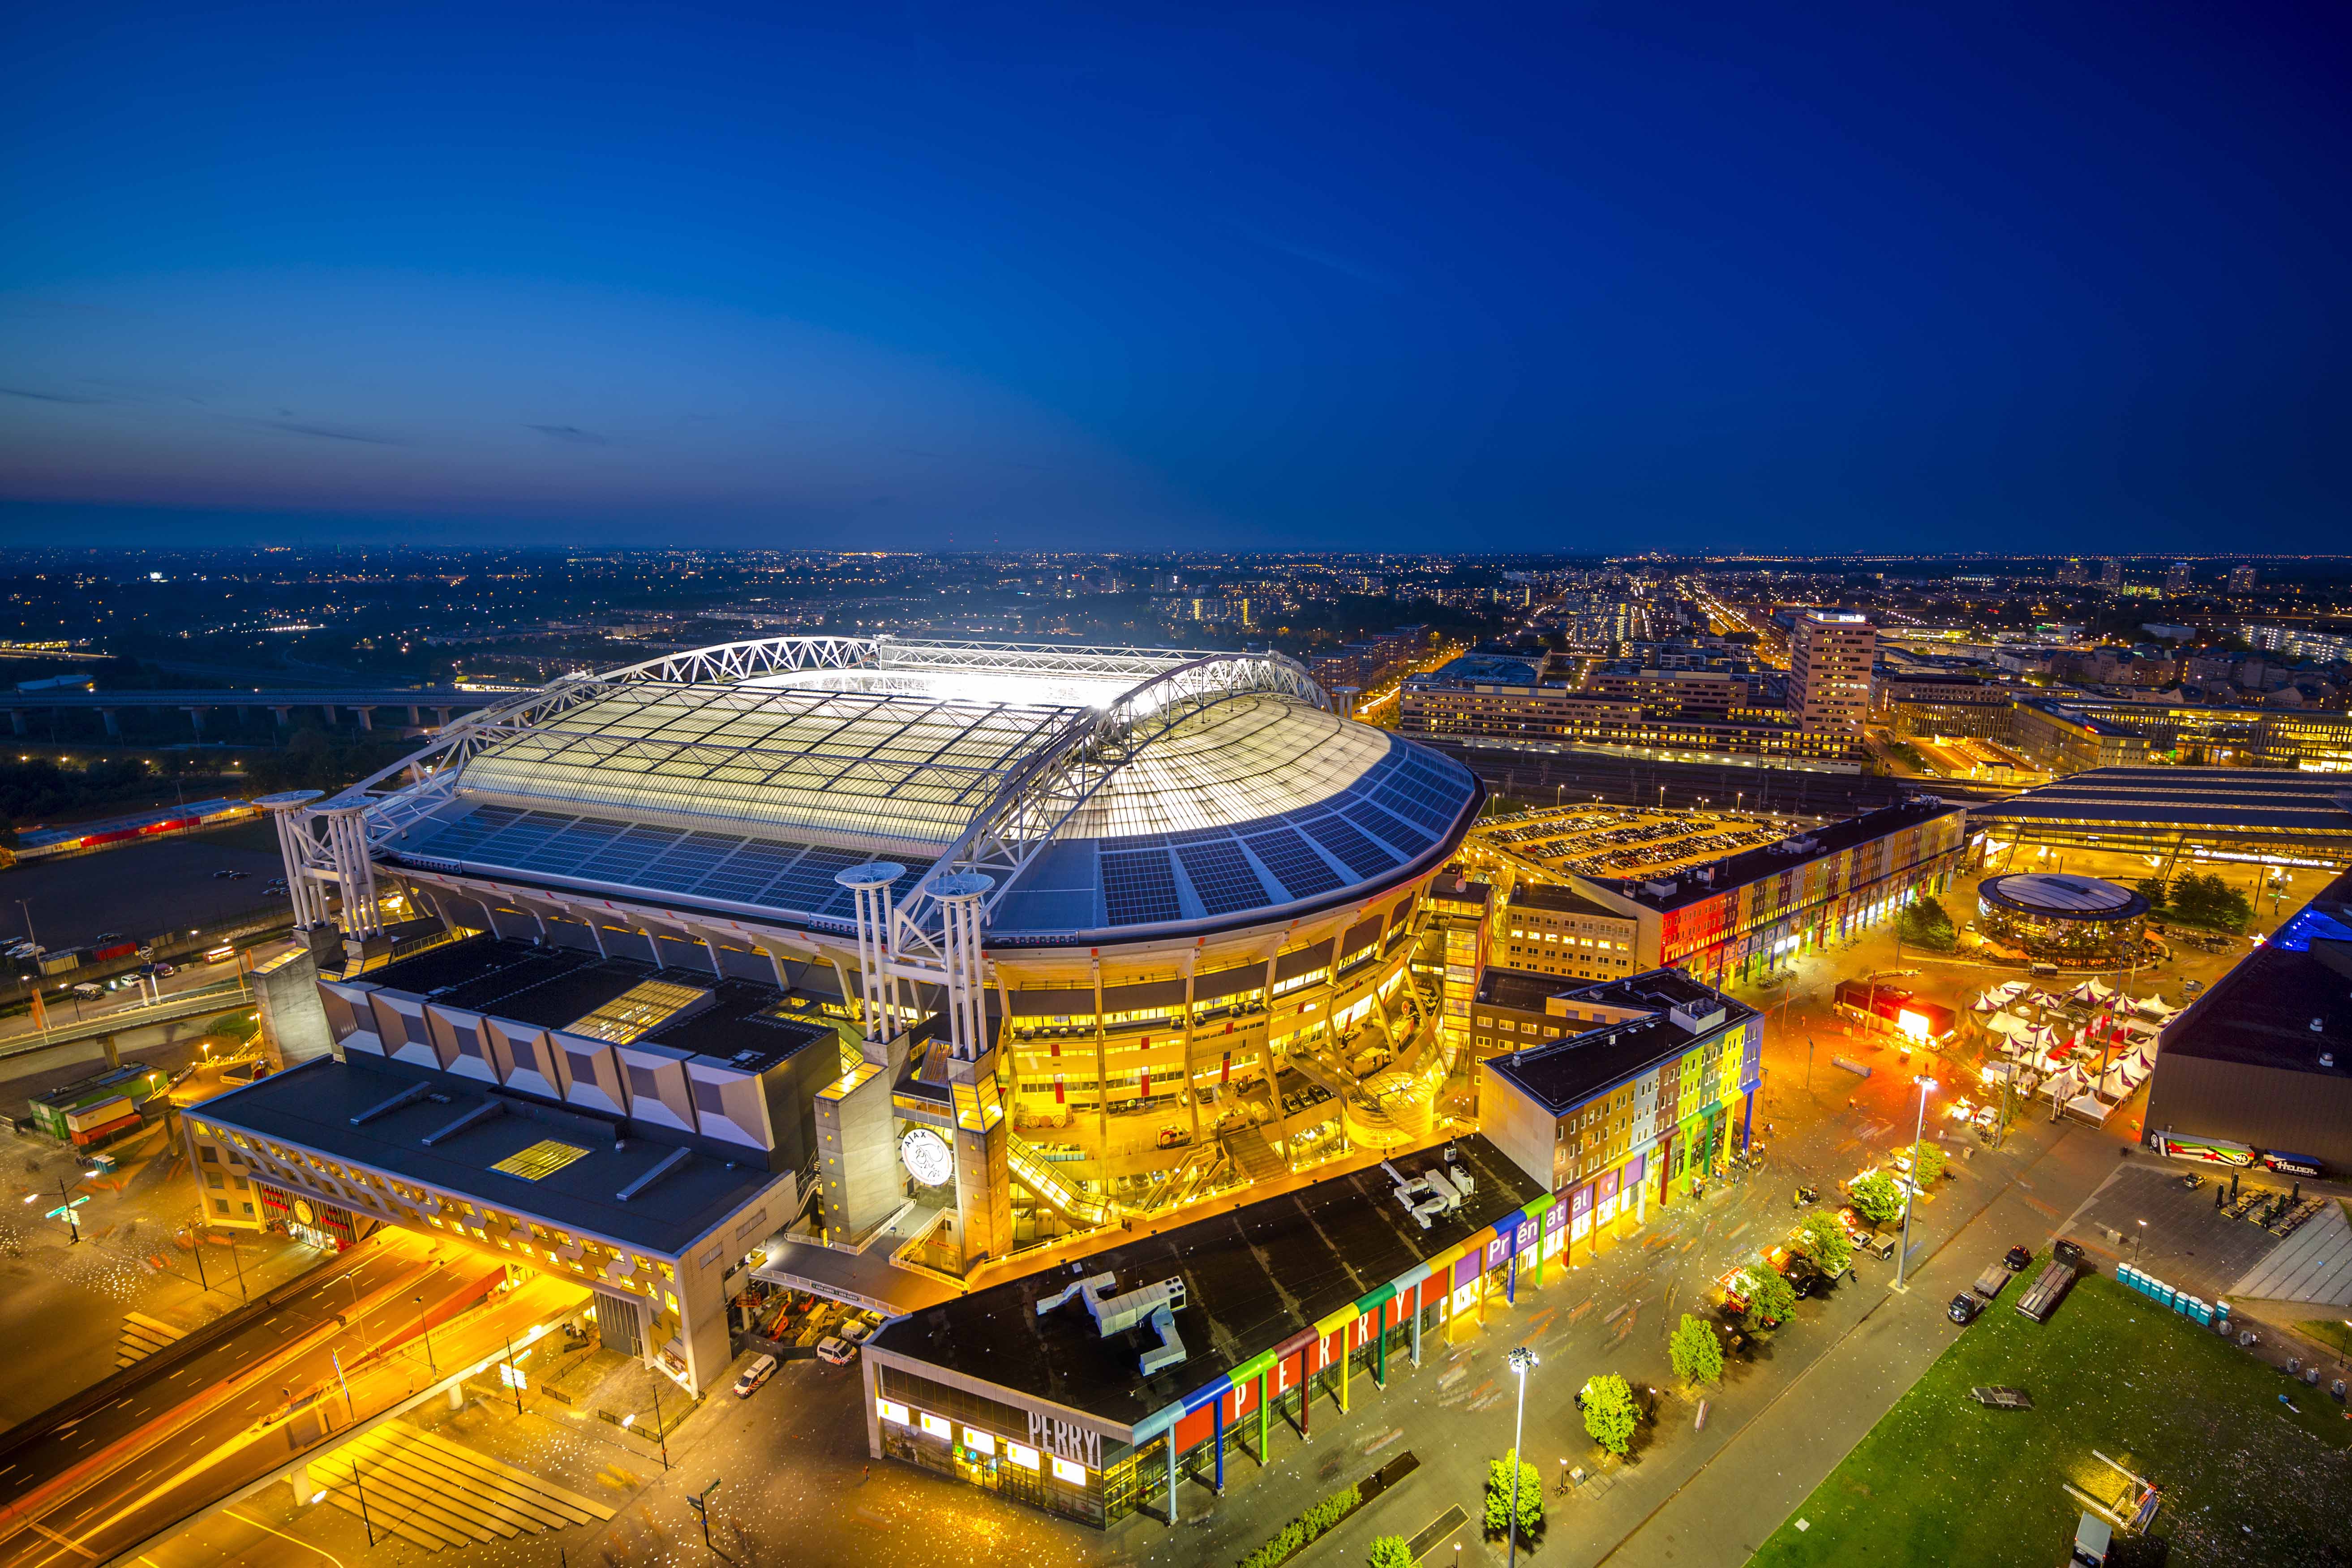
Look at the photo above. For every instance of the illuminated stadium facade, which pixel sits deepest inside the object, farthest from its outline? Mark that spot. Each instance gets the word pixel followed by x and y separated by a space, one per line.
pixel 1103 931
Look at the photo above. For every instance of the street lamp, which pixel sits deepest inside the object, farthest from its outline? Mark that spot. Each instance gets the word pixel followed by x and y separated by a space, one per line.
pixel 2139 1245
pixel 1521 1359
pixel 1918 1129
pixel 424 1323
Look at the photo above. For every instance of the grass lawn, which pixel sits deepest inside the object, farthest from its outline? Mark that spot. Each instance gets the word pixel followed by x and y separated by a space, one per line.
pixel 2329 1331
pixel 1941 1479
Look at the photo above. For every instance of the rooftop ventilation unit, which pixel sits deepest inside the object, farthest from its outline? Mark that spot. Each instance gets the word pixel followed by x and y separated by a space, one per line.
pixel 1159 1304
pixel 1427 1196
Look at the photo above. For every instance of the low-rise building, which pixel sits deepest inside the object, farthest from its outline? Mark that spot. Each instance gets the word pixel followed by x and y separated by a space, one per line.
pixel 1641 1090
pixel 635 1130
pixel 1091 1390
pixel 1557 931
pixel 2067 740
pixel 2258 1069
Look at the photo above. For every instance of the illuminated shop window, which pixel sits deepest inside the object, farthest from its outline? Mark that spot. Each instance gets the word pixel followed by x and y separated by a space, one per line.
pixel 937 1426
pixel 1070 1471
pixel 893 1411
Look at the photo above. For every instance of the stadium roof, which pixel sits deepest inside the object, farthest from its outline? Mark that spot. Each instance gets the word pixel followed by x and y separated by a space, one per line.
pixel 1108 790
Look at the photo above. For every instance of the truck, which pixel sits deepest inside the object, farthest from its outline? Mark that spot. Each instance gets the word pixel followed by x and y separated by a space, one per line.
pixel 1990 1283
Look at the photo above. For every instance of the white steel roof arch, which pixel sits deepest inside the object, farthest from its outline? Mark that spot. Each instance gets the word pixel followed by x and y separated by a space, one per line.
pixel 717 730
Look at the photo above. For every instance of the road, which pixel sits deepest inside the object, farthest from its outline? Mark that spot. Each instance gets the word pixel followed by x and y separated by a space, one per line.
pixel 181 1413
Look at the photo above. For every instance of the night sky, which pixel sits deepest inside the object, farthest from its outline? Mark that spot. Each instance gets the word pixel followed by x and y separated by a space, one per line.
pixel 1464 277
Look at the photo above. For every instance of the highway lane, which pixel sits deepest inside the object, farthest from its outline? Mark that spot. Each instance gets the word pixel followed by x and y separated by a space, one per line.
pixel 261 1430
pixel 41 1451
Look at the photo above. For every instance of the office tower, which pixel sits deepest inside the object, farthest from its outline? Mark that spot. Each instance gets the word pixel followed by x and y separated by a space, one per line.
pixel 1829 671
pixel 2177 580
pixel 2110 573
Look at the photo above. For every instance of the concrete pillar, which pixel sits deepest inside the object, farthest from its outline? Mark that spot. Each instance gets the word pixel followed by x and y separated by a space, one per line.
pixel 196 717
pixel 327 712
pixel 441 717
pixel 366 717
pixel 113 1057
pixel 113 724
pixel 17 720
pixel 284 716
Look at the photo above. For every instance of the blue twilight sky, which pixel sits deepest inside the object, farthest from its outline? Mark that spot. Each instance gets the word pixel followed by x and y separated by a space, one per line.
pixel 1592 276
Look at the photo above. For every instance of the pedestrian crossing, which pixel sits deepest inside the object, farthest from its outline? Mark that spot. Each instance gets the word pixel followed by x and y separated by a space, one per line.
pixel 142 1336
pixel 439 1494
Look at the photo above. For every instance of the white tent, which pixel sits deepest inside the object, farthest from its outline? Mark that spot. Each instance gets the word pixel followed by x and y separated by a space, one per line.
pixel 2156 1007
pixel 2115 1083
pixel 2064 1085
pixel 2141 1028
pixel 2091 991
pixel 2008 1023
pixel 2090 1106
pixel 1995 1072
pixel 2142 1060
pixel 2007 990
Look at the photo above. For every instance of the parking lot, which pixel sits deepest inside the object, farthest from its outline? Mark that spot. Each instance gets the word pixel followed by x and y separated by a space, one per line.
pixel 143 888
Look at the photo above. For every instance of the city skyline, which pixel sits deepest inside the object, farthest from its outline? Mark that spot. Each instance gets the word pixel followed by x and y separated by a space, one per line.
pixel 965 282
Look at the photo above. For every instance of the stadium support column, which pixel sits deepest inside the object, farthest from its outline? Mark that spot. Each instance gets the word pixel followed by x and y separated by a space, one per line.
pixel 984 1176
pixel 354 871
pixel 296 850
pixel 870 885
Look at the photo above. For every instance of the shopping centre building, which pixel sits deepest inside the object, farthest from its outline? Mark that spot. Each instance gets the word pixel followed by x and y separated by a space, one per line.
pixel 1091 1390
pixel 1040 941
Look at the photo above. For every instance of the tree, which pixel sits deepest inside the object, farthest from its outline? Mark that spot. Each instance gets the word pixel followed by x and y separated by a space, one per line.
pixel 1931 1162
pixel 2211 901
pixel 1823 1240
pixel 1696 1353
pixel 2154 889
pixel 1498 1496
pixel 1391 1552
pixel 1925 924
pixel 1609 1413
pixel 1770 1298
pixel 1875 1198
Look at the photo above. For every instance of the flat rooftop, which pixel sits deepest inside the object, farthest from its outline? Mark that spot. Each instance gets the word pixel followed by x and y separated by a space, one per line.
pixel 742 1023
pixel 2261 1013
pixel 1560 900
pixel 1562 1074
pixel 1522 988
pixel 1253 1277
pixel 314 1104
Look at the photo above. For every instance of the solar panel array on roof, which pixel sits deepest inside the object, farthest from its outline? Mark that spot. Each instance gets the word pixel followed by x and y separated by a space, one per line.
pixel 1356 852
pixel 1221 876
pixel 1139 888
pixel 761 872
pixel 1299 870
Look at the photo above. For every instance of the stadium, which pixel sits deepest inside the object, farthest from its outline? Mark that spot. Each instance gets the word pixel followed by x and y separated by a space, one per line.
pixel 1103 933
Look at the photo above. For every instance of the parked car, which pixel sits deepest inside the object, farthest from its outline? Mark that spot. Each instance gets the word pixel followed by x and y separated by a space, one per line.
pixel 2017 1259
pixel 758 1373
pixel 1965 1308
pixel 835 1352
pixel 1175 1137
pixel 857 1331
